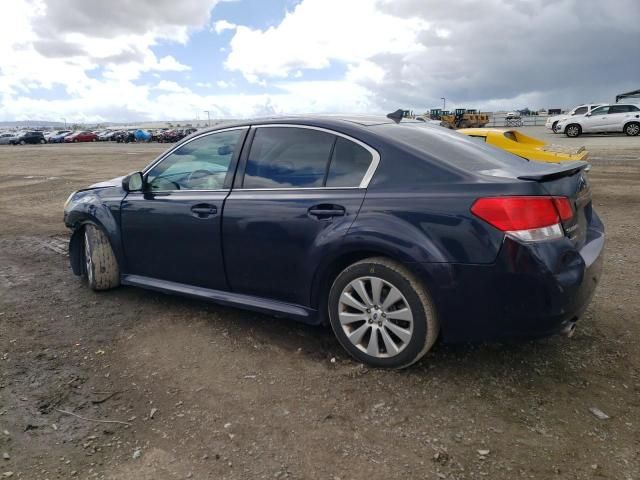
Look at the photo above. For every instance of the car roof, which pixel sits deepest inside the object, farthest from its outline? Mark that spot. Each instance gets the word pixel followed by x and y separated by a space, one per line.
pixel 327 121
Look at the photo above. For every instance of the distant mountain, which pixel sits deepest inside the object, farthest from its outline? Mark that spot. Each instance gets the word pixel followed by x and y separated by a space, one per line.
pixel 31 123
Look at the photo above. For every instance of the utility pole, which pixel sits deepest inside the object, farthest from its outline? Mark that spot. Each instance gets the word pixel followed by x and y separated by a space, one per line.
pixel 208 117
pixel 65 123
pixel 444 103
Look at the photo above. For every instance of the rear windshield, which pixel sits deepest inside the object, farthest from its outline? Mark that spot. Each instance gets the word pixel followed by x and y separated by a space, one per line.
pixel 458 150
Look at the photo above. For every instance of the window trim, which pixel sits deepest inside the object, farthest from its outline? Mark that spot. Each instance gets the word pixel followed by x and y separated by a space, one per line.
pixel 232 164
pixel 364 183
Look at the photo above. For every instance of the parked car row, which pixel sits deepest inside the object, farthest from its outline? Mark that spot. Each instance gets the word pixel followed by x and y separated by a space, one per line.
pixel 603 118
pixel 70 136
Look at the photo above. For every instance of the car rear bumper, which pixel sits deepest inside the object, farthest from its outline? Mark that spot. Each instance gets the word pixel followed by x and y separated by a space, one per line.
pixel 532 290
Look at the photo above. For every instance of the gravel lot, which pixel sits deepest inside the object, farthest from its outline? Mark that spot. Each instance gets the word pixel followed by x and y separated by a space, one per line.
pixel 214 392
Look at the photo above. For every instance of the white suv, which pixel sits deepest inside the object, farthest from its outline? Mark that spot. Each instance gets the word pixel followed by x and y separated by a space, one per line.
pixel 617 117
pixel 552 122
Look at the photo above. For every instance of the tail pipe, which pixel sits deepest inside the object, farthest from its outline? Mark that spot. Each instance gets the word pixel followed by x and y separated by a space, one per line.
pixel 569 329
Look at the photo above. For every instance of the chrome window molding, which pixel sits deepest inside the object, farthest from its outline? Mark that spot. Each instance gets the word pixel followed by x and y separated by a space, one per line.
pixel 364 183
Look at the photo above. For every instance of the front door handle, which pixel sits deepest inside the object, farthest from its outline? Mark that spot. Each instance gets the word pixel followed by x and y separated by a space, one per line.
pixel 204 210
pixel 327 211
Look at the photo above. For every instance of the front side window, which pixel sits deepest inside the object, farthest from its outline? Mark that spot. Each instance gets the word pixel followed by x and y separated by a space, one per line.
pixel 201 164
pixel 580 111
pixel 600 111
pixel 285 157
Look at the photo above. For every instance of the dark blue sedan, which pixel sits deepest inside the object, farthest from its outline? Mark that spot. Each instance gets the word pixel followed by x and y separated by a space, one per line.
pixel 394 233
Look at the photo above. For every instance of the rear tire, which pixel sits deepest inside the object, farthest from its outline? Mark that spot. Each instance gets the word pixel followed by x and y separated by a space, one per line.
pixel 573 130
pixel 632 129
pixel 404 330
pixel 100 265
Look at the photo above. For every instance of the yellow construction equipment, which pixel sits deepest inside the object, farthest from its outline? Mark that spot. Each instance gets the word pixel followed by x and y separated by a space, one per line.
pixel 463 118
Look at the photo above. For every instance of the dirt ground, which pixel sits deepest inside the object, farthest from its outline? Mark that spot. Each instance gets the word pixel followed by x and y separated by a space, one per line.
pixel 212 392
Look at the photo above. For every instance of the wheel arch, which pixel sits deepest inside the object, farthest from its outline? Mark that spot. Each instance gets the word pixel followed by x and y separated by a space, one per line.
pixel 624 128
pixel 566 127
pixel 96 213
pixel 327 272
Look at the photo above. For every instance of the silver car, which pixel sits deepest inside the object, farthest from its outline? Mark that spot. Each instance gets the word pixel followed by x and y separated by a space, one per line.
pixel 5 138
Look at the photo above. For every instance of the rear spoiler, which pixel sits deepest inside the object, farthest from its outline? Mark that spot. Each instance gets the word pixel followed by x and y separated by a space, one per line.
pixel 566 170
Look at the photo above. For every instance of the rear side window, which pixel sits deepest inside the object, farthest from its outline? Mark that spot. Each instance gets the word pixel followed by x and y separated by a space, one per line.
pixel 285 157
pixel 620 109
pixel 633 108
pixel 349 164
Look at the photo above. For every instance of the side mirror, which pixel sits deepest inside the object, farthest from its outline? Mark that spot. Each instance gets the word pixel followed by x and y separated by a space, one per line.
pixel 587 114
pixel 133 182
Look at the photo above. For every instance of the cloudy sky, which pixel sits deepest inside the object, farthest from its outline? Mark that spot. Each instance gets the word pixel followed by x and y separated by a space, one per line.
pixel 127 60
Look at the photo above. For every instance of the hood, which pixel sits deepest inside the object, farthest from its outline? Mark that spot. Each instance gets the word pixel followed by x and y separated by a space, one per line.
pixel 114 182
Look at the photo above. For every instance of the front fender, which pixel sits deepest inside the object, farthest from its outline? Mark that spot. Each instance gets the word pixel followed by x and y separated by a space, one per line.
pixel 100 207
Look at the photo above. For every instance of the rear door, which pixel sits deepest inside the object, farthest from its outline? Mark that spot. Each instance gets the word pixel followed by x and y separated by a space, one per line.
pixel 620 115
pixel 171 231
pixel 297 192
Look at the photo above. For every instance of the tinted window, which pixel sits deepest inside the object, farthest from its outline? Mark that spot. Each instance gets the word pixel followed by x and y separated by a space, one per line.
pixel 349 163
pixel 619 109
pixel 633 108
pixel 283 157
pixel 201 164
pixel 580 111
pixel 600 111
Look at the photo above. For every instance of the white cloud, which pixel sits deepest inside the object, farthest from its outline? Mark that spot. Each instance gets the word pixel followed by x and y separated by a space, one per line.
pixel 223 84
pixel 169 86
pixel 319 32
pixel 223 25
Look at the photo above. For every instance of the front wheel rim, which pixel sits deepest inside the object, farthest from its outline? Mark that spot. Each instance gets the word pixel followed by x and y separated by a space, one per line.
pixel 375 317
pixel 88 263
pixel 573 131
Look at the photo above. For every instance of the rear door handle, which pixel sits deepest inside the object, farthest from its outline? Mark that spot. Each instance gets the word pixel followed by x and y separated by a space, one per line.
pixel 204 210
pixel 326 211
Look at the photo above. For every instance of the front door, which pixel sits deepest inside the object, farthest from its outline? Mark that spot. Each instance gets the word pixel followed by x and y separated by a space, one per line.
pixel 171 230
pixel 597 121
pixel 301 191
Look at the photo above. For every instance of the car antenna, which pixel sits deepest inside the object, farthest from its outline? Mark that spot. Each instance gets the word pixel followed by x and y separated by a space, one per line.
pixel 396 116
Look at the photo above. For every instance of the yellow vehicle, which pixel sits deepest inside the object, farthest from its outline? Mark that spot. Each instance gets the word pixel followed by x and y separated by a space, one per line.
pixel 524 146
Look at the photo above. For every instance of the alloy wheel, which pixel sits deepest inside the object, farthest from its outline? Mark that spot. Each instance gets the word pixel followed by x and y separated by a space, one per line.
pixel 88 262
pixel 572 131
pixel 375 316
pixel 633 129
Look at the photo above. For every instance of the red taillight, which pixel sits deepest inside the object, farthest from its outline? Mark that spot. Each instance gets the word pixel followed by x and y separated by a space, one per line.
pixel 522 213
pixel 565 210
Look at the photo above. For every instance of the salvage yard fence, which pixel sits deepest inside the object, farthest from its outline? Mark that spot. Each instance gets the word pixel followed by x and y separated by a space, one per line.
pixel 499 120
